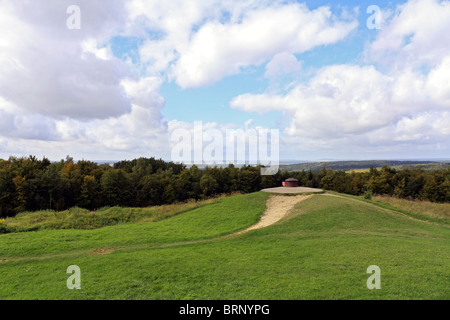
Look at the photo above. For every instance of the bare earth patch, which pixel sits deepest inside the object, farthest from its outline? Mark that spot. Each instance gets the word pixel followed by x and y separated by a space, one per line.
pixel 103 251
pixel 277 208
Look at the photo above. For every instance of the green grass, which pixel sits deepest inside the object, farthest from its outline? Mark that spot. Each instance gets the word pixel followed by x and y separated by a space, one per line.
pixel 423 210
pixel 78 218
pixel 438 212
pixel 225 216
pixel 320 251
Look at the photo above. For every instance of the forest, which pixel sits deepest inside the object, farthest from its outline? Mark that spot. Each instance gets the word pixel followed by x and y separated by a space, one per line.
pixel 30 184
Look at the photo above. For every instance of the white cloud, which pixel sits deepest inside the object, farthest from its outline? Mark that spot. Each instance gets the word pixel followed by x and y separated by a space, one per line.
pixel 438 83
pixel 260 103
pixel 353 104
pixel 339 100
pixel 51 70
pixel 218 49
pixel 401 106
pixel 417 34
pixel 282 64
pixel 200 42
pixel 63 92
pixel 92 46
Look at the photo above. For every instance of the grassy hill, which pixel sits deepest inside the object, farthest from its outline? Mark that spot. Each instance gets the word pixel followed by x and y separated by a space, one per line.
pixel 320 251
pixel 365 165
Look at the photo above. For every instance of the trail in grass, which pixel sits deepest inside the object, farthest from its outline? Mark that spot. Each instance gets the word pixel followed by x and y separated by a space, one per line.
pixel 277 208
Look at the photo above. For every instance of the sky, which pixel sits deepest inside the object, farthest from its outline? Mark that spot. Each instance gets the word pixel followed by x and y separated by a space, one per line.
pixel 113 80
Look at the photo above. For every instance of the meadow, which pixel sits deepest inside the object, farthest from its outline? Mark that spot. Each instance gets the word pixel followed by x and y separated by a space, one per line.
pixel 439 212
pixel 320 251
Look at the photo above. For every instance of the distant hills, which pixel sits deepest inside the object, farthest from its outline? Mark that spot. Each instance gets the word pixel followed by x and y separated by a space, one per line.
pixel 355 165
pixel 364 165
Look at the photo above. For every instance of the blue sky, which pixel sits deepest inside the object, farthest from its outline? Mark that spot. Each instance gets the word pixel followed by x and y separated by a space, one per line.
pixel 134 71
pixel 210 103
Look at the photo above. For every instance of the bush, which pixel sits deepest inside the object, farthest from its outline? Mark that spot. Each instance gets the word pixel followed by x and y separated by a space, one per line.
pixel 368 195
pixel 4 228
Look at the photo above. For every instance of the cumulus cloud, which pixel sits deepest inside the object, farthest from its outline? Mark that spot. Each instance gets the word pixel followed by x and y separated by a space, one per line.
pixel 438 82
pixel 415 35
pixel 203 42
pixel 64 91
pixel 51 70
pixel 350 102
pixel 59 85
pixel 339 100
pixel 18 124
pixel 218 49
pixel 402 103
pixel 282 64
pixel 141 130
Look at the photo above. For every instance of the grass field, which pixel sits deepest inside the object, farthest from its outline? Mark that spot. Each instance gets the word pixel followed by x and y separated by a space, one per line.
pixel 77 218
pixel 438 212
pixel 320 251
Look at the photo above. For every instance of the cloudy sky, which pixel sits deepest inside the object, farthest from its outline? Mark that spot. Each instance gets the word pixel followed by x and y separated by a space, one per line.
pixel 116 85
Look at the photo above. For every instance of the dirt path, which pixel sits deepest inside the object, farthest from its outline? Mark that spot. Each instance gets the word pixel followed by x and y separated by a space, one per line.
pixel 277 208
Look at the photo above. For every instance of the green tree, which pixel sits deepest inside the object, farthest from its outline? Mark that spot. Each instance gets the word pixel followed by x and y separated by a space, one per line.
pixel 434 188
pixel 169 195
pixel 116 187
pixel 90 191
pixel 21 193
pixel 327 181
pixel 208 185
pixel 152 190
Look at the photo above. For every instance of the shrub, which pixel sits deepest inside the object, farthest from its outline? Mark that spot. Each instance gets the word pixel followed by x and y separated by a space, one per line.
pixel 368 194
pixel 4 228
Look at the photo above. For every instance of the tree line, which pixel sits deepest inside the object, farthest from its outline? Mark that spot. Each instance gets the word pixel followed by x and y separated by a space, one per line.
pixel 406 183
pixel 30 184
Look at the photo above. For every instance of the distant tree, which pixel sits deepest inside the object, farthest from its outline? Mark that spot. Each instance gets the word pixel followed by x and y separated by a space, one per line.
pixel 434 188
pixel 31 184
pixel 327 180
pixel 196 175
pixel 415 183
pixel 302 178
pixel 208 185
pixel 169 194
pixel 116 187
pixel 309 179
pixel 249 179
pixel 356 183
pixel 152 190
pixel 446 189
pixel 21 193
pixel 7 189
pixel 379 181
pixel 71 181
pixel 269 181
pixel 51 186
pixel 90 191
pixel 231 178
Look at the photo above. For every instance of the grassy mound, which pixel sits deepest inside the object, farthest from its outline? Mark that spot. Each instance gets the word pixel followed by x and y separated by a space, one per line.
pixel 78 218
pixel 320 251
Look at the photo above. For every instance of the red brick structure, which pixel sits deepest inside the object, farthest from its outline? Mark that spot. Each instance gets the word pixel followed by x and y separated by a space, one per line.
pixel 291 183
